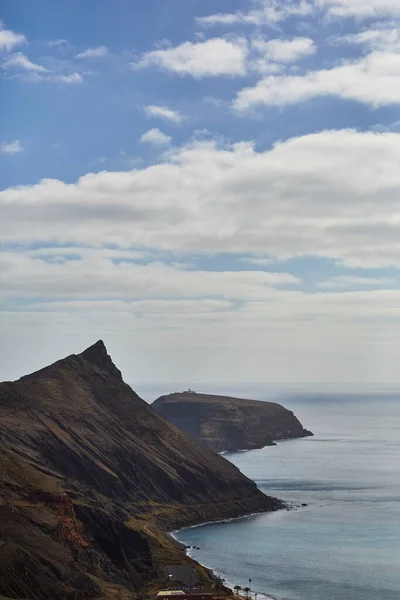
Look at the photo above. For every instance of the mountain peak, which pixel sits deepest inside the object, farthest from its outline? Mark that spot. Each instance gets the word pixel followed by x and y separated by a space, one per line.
pixel 98 356
pixel 109 477
pixel 98 346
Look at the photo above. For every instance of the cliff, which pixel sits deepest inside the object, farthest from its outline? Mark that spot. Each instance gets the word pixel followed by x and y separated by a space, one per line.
pixel 91 478
pixel 222 423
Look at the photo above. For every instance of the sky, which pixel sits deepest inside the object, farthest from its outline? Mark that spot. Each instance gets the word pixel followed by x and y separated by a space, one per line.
pixel 211 187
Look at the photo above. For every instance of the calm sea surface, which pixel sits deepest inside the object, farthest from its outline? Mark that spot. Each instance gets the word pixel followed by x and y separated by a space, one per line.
pixel 346 543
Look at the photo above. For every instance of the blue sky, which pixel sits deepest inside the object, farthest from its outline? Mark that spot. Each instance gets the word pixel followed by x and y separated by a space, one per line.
pixel 202 183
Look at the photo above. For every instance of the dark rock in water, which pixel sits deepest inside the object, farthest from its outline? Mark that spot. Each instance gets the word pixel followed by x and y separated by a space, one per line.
pixel 223 423
pixel 91 478
pixel 304 504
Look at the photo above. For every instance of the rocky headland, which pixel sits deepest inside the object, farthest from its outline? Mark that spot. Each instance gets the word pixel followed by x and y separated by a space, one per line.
pixel 92 478
pixel 222 423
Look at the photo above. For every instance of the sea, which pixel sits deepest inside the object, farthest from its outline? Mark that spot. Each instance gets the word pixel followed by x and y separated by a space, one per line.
pixel 345 543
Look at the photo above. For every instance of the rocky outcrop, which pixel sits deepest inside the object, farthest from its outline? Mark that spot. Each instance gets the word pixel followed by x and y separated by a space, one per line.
pixel 223 423
pixel 91 478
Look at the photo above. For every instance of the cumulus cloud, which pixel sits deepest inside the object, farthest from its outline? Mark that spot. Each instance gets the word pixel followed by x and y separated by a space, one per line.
pixel 20 61
pixel 385 38
pixel 333 194
pixel 155 137
pixel 98 52
pixel 265 13
pixel 372 80
pixel 71 78
pixel 361 8
pixel 26 70
pixel 14 147
pixel 216 56
pixel 9 39
pixel 163 112
pixel 285 51
pixel 272 56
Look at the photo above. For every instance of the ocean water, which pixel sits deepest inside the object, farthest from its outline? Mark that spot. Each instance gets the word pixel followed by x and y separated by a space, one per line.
pixel 345 544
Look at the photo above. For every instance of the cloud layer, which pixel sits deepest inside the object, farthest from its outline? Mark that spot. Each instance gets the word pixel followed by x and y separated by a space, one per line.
pixel 253 235
pixel 333 194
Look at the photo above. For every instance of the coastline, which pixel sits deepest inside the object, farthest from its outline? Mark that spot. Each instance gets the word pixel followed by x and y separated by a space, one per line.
pixel 215 575
pixel 218 521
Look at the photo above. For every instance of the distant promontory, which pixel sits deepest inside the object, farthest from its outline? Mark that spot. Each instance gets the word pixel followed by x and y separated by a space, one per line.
pixel 222 423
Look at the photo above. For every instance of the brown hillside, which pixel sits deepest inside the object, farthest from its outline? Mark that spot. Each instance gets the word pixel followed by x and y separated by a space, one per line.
pixel 92 477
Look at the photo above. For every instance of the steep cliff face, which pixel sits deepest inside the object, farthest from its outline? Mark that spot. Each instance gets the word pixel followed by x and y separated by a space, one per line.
pixel 90 479
pixel 227 424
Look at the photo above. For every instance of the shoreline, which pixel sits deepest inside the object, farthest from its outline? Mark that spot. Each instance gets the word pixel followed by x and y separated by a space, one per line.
pixel 287 506
pixel 274 443
pixel 227 583
pixel 217 522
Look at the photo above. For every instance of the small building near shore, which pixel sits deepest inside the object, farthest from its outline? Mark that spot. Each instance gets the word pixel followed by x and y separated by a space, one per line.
pixel 181 595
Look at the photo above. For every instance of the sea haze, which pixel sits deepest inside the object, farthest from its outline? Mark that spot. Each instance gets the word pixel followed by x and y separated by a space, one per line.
pixel 345 544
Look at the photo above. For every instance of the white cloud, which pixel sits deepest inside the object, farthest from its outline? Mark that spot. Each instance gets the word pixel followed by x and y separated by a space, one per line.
pixel 9 39
pixel 142 308
pixel 57 43
pixel 353 281
pixel 163 112
pixel 98 52
pixel 372 80
pixel 333 194
pixel 266 13
pixel 216 56
pixel 259 261
pixel 155 137
pixel 97 276
pixel 20 61
pixel 13 147
pixel 361 8
pixel 385 38
pixel 70 78
pixel 251 18
pixel 285 51
pixel 26 70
